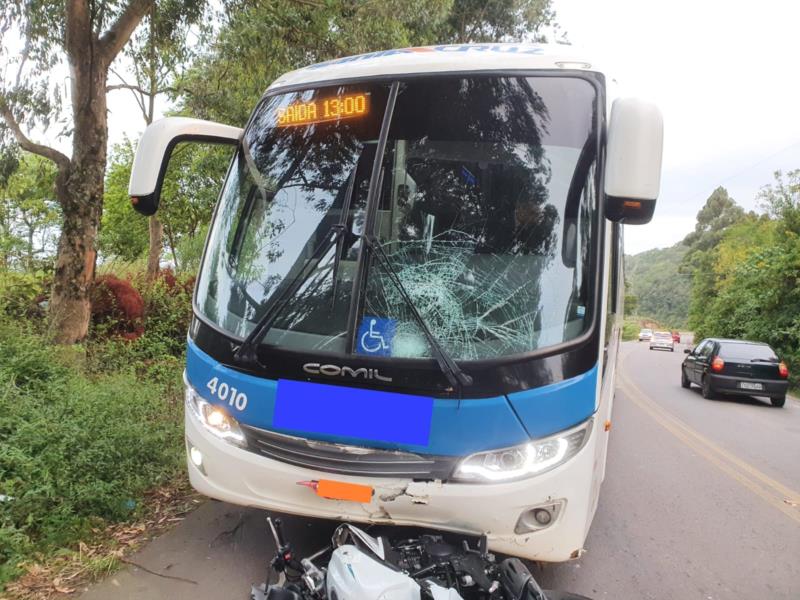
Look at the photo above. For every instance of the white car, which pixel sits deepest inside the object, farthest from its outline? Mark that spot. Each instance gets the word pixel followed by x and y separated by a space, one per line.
pixel 645 335
pixel 662 340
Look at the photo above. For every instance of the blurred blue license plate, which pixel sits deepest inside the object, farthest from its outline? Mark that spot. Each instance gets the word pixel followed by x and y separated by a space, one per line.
pixel 747 385
pixel 352 413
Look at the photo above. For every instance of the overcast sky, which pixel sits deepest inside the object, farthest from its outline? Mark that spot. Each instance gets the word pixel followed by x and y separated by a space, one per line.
pixel 724 73
pixel 726 77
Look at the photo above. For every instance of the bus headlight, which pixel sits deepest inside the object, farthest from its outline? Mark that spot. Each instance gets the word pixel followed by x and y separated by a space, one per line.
pixel 518 462
pixel 214 418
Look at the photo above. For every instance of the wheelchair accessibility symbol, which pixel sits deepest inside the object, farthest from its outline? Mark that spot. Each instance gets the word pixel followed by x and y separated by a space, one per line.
pixel 375 336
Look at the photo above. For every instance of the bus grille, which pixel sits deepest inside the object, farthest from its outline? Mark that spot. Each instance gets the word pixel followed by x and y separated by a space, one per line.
pixel 347 460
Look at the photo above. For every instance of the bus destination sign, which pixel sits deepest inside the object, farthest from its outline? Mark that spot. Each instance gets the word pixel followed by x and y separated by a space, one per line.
pixel 326 109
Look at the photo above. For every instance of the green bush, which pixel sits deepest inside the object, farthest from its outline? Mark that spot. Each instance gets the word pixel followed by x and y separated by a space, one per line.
pixel 190 250
pixel 18 291
pixel 159 353
pixel 78 448
pixel 168 311
pixel 630 330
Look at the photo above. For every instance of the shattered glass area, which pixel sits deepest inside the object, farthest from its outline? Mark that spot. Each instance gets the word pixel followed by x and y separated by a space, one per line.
pixel 481 198
pixel 477 305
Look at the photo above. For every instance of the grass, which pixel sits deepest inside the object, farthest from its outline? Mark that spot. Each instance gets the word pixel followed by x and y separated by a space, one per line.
pixel 85 433
pixel 630 329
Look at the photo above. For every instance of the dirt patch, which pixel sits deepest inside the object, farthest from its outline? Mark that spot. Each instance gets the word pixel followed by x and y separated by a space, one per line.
pixel 71 570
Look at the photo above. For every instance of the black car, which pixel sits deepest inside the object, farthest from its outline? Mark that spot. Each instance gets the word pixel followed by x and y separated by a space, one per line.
pixel 736 367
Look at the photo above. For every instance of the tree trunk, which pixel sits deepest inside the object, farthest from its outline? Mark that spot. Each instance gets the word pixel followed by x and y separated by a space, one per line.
pixel 80 193
pixel 156 228
pixel 70 310
pixel 29 259
pixel 171 242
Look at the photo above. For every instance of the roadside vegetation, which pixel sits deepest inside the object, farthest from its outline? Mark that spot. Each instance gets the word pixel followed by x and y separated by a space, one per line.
pixel 87 430
pixel 745 270
pixel 736 275
pixel 661 288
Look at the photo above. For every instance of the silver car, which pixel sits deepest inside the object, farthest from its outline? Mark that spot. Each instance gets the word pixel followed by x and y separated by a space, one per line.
pixel 662 340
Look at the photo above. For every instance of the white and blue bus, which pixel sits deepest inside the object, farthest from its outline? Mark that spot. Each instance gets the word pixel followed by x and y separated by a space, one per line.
pixel 408 309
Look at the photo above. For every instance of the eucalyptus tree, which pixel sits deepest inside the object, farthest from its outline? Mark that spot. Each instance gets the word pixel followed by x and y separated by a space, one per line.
pixel 495 21
pixel 87 36
pixel 260 39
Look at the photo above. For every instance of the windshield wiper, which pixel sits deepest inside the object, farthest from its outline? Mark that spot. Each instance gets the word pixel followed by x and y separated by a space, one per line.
pixel 246 353
pixel 340 241
pixel 335 235
pixel 766 360
pixel 455 376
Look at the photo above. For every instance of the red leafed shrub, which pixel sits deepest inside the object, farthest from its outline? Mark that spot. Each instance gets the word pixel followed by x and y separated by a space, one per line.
pixel 117 304
pixel 168 277
pixel 188 285
pixel 174 285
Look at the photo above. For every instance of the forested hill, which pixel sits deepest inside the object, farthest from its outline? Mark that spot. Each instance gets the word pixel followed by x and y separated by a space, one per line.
pixel 661 291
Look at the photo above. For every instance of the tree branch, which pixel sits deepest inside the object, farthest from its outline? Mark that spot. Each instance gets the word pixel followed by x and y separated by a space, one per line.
pixel 113 40
pixel 26 144
pixel 126 86
pixel 136 88
pixel 138 92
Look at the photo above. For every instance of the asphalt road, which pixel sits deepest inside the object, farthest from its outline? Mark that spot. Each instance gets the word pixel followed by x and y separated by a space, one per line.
pixel 700 501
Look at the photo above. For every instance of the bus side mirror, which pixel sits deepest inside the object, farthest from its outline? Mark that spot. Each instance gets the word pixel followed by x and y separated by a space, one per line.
pixel 633 161
pixel 155 149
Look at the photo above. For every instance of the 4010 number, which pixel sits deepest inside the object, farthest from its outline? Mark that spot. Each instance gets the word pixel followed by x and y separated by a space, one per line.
pixel 227 393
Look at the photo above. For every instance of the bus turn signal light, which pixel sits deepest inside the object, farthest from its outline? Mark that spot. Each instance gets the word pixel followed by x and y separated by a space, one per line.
pixel 717 364
pixel 783 370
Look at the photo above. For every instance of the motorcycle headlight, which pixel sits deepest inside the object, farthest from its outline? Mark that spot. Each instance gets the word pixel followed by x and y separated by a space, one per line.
pixel 526 460
pixel 214 418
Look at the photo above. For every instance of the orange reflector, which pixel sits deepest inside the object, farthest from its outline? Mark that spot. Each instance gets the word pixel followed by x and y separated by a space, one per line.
pixel 608 426
pixel 134 200
pixel 632 204
pixel 339 490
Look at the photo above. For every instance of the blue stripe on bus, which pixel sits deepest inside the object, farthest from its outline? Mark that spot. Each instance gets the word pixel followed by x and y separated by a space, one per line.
pixel 474 426
pixel 557 406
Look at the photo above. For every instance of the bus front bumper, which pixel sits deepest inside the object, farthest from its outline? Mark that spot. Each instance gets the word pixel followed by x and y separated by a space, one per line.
pixel 502 511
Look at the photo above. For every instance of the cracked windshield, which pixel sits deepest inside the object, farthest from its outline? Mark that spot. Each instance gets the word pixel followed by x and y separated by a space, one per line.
pixel 303 171
pixel 484 211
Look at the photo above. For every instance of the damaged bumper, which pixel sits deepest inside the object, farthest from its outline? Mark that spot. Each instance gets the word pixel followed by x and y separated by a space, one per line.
pixel 508 513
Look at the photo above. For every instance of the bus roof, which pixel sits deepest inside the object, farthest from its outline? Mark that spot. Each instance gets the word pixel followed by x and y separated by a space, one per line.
pixel 439 59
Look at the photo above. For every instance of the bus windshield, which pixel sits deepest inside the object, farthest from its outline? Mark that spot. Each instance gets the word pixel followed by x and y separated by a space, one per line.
pixel 485 209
